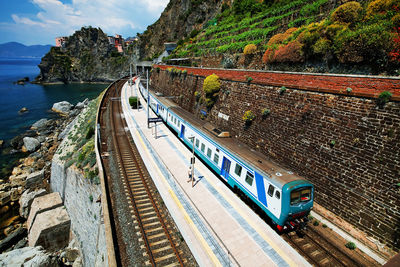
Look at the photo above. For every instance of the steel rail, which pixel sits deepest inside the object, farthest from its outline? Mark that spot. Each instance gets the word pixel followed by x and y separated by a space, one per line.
pixel 122 141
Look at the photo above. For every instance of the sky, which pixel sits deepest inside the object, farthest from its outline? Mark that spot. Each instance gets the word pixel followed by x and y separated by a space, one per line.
pixel 32 22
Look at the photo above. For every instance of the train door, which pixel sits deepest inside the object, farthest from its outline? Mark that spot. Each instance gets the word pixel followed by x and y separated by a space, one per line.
pixel 157 109
pixel 182 134
pixel 226 165
pixel 260 188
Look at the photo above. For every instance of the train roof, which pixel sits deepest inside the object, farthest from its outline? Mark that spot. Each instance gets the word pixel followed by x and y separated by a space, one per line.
pixel 259 161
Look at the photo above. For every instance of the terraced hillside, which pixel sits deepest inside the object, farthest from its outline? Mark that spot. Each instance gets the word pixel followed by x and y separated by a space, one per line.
pixel 321 35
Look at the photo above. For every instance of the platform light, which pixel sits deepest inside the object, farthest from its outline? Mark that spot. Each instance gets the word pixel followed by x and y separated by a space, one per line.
pixel 192 159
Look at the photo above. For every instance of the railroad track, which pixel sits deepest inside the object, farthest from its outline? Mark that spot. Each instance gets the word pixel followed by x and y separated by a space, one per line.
pixel 318 250
pixel 149 220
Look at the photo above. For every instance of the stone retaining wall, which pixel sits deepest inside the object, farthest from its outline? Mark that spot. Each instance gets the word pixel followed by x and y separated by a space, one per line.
pixel 80 196
pixel 345 144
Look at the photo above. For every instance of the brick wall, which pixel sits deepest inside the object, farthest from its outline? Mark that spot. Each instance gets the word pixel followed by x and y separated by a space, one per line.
pixel 344 144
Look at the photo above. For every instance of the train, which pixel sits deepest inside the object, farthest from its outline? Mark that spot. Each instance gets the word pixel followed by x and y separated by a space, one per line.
pixel 283 196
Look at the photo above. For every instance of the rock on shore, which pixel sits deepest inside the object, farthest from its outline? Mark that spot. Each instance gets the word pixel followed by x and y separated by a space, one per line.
pixel 28 256
pixel 63 107
pixel 30 144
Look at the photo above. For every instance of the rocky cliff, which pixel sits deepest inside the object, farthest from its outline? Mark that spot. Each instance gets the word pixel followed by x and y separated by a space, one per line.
pixel 179 19
pixel 86 57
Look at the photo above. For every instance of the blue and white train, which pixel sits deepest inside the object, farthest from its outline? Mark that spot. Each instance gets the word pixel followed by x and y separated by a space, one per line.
pixel 285 197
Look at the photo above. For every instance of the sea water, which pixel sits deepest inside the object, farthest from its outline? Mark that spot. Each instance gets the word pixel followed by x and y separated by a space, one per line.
pixel 38 99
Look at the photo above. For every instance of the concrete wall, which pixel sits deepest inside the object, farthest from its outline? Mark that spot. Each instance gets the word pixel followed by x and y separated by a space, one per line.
pixel 79 196
pixel 346 145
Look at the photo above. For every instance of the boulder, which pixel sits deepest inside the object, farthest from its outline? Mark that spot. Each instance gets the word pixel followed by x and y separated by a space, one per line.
pixel 15 194
pixel 19 180
pixel 78 262
pixel 4 186
pixel 63 107
pixel 34 179
pixel 23 110
pixel 5 197
pixel 28 256
pixel 22 243
pixel 12 239
pixel 26 200
pixel 42 123
pixel 82 104
pixel 31 144
pixel 70 255
pixel 75 112
pixel 1 143
pixel 50 229
pixel 41 204
pixel 41 138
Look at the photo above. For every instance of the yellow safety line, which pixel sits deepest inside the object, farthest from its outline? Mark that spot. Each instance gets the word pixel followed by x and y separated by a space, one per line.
pixel 174 197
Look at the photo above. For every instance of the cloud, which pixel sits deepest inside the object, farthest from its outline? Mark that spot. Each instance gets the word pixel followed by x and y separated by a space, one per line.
pixel 56 18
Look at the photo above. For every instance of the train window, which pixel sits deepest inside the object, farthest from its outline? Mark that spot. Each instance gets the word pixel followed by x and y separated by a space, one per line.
pixel 202 147
pixel 197 142
pixel 271 190
pixel 300 195
pixel 238 170
pixel 209 152
pixel 179 123
pixel 278 194
pixel 249 178
pixel 216 158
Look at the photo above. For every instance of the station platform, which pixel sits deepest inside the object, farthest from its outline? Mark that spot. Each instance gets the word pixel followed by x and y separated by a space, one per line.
pixel 219 228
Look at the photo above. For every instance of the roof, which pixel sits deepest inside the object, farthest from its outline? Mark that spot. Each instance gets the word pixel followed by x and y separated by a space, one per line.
pixel 257 160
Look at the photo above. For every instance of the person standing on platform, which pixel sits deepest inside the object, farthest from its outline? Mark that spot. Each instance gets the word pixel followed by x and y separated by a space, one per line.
pixel 190 174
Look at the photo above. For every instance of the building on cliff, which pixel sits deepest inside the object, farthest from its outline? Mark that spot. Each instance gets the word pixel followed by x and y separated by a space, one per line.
pixel 60 41
pixel 117 41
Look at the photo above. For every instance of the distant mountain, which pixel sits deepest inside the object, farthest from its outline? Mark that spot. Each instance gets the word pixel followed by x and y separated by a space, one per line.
pixel 14 49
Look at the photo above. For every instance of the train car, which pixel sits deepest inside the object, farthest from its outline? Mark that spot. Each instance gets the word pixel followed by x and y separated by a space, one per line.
pixel 285 197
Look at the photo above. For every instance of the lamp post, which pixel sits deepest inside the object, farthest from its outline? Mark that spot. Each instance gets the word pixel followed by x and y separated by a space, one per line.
pixel 192 159
pixel 148 97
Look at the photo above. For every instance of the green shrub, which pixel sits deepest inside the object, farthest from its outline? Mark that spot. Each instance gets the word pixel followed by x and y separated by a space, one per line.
pixel 248 116
pixel 369 43
pixel 133 101
pixel 316 223
pixel 322 46
pixel 249 49
pixel 312 8
pixel 90 132
pixel 396 21
pixel 383 98
pixel 351 245
pixel 379 7
pixel 244 6
pixel 249 79
pixel 211 85
pixel 282 90
pixel 290 53
pixel 349 12
pixel 268 56
pixel 265 112
pixel 90 198
pixel 69 163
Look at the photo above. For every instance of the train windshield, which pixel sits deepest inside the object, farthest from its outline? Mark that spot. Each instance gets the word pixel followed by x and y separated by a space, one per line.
pixel 300 195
